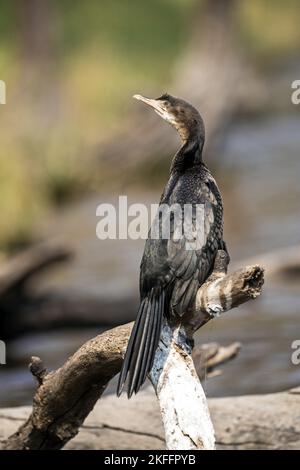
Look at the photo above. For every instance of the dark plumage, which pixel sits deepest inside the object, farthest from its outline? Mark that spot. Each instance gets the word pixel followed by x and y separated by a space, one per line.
pixel 171 274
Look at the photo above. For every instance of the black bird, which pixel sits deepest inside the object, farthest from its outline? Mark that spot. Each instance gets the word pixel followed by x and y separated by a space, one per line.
pixel 170 272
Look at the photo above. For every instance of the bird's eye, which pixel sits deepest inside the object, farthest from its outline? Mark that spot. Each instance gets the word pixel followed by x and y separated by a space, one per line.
pixel 164 97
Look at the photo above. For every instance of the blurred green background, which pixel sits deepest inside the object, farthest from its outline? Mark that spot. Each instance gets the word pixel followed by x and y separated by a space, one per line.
pixel 71 68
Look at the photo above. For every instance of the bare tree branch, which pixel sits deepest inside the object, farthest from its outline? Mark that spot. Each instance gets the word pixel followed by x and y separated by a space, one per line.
pixel 66 396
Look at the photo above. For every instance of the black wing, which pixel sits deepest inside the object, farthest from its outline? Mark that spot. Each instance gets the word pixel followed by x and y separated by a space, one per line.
pixel 182 263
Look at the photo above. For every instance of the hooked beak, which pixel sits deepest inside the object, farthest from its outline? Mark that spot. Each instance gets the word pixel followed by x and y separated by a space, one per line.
pixel 157 105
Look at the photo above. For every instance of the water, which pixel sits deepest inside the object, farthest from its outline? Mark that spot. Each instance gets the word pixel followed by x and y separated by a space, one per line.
pixel 258 173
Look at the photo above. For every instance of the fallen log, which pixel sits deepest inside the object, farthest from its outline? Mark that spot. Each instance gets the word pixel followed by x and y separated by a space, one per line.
pixel 65 397
pixel 270 421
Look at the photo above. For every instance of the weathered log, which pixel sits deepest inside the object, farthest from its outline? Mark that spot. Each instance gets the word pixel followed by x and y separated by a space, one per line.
pixel 270 421
pixel 66 396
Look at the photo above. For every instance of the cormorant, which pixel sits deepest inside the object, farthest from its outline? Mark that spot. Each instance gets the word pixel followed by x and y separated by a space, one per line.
pixel 171 273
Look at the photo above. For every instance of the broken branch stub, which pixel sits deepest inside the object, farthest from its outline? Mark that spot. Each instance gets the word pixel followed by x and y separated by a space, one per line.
pixel 182 401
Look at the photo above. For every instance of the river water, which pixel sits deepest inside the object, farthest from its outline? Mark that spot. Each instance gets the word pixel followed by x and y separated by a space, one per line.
pixel 258 173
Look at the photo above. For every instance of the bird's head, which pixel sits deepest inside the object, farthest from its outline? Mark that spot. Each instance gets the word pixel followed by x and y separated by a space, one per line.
pixel 180 114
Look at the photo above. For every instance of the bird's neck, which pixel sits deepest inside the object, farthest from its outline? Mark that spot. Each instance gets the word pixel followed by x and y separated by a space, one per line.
pixel 189 154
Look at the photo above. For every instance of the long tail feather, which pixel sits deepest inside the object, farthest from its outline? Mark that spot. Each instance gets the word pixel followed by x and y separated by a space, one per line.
pixel 142 343
pixel 130 346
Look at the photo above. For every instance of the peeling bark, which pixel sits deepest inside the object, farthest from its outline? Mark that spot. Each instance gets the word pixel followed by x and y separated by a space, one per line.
pixel 181 397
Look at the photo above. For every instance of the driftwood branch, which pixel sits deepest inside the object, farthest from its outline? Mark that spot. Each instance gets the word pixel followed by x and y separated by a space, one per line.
pixel 66 396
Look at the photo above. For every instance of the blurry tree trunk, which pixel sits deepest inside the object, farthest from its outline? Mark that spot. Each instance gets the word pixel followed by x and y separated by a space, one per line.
pixel 211 75
pixel 38 50
pixel 37 29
